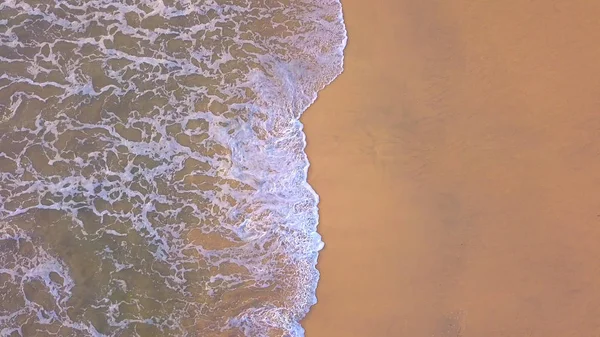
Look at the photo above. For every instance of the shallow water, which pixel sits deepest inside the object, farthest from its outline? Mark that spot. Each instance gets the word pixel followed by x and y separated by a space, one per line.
pixel 152 165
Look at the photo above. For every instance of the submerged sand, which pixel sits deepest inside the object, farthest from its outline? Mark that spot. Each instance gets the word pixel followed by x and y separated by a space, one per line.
pixel 458 164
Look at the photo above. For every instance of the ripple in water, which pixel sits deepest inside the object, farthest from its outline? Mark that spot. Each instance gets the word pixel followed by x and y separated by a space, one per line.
pixel 152 165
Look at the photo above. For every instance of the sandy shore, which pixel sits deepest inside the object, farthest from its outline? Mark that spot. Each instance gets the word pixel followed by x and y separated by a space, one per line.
pixel 458 164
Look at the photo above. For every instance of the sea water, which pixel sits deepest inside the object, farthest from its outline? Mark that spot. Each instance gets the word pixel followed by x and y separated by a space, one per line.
pixel 152 165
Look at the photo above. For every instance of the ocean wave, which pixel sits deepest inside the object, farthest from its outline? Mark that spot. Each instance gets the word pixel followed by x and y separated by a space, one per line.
pixel 152 163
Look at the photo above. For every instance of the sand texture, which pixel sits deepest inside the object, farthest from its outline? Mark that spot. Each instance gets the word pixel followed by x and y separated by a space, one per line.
pixel 457 161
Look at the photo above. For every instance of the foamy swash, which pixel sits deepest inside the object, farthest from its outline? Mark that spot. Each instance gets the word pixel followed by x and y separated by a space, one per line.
pixel 152 165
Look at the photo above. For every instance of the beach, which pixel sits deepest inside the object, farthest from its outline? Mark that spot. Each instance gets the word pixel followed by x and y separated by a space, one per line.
pixel 154 179
pixel 457 163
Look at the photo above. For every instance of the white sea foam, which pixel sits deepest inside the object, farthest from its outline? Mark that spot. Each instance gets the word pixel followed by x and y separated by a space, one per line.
pixel 152 160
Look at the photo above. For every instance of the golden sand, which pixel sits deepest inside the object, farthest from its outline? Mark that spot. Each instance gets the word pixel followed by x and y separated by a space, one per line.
pixel 458 164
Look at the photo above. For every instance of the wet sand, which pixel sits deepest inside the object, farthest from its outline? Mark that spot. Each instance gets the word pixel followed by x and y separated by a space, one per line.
pixel 458 164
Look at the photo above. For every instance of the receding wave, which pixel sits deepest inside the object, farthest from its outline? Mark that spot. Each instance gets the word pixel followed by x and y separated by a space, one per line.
pixel 152 165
